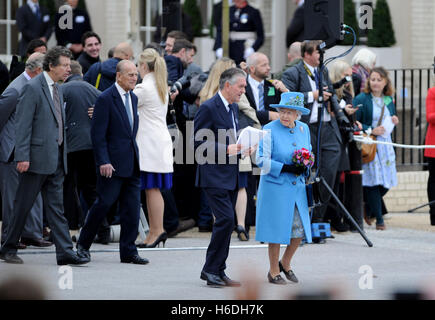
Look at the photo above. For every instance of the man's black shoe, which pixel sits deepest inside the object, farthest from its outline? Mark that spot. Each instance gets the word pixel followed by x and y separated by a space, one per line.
pixel 41 243
pixel 340 226
pixel 83 253
pixel 11 258
pixel 212 279
pixel 229 282
pixel 73 259
pixel 183 225
pixel 135 260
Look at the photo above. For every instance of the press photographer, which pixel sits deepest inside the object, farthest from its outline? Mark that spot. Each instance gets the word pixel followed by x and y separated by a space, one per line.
pixel 348 182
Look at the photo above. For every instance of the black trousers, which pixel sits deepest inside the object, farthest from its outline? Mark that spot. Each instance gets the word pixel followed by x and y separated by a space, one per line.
pixel 431 188
pixel 222 203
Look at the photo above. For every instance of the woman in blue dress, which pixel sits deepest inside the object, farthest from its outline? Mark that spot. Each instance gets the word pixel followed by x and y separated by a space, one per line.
pixel 380 174
pixel 282 208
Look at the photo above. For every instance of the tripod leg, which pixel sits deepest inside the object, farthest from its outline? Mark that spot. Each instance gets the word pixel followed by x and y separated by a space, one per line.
pixel 426 204
pixel 369 243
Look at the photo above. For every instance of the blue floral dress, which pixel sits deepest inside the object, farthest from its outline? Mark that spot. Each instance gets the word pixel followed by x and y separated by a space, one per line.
pixel 382 170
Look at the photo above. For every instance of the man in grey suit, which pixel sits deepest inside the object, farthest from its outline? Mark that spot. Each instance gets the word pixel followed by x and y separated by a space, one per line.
pixel 80 97
pixel 32 234
pixel 40 153
pixel 304 77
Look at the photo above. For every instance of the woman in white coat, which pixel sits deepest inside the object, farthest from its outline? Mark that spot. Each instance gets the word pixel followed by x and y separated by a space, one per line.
pixel 154 141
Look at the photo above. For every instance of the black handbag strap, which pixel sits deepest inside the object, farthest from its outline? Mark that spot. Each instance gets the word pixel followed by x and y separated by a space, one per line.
pixel 382 116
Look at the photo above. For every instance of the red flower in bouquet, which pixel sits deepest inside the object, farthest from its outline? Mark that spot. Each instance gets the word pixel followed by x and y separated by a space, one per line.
pixel 303 158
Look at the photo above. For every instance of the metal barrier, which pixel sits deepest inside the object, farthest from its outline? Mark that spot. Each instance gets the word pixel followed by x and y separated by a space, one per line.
pixel 411 86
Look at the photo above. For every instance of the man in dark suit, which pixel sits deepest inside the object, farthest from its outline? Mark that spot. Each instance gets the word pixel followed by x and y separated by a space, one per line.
pixel 40 152
pixel 79 97
pixel 114 128
pixel 217 172
pixel 91 43
pixel 33 22
pixel 304 78
pixel 72 38
pixel 4 77
pixel 295 30
pixel 246 30
pixel 32 234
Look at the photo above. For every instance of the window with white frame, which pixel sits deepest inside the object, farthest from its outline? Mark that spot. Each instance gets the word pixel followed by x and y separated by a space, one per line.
pixel 8 29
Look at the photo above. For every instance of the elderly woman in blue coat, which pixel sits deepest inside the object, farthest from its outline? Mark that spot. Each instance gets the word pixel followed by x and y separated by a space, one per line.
pixel 282 208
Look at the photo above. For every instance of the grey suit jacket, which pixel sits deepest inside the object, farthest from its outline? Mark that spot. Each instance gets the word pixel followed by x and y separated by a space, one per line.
pixel 79 96
pixel 37 128
pixel 296 80
pixel 8 104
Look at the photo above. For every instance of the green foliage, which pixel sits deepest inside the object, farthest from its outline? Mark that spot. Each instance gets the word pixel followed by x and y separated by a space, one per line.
pixel 382 34
pixel 351 20
pixel 191 8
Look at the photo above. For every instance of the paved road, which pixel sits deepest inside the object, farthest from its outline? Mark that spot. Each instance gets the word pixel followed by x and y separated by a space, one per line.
pixel 401 259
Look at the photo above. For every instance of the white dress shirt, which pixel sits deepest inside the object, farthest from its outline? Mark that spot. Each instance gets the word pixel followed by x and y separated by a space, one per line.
pixel 313 118
pixel 50 83
pixel 32 5
pixel 122 92
pixel 226 104
pixel 254 86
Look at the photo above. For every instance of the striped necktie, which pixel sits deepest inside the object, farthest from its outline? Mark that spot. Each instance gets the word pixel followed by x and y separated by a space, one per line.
pixel 127 109
pixel 261 97
pixel 57 108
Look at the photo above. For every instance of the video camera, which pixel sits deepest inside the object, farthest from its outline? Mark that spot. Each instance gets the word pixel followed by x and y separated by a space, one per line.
pixel 342 82
pixel 180 84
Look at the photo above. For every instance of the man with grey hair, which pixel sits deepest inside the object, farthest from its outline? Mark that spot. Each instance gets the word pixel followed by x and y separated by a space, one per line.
pixel 32 234
pixel 40 153
pixel 294 57
pixel 218 173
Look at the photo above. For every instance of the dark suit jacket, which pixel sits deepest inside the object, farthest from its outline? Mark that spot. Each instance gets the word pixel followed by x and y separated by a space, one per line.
pixel 4 77
pixel 79 96
pixel 8 104
pixel 271 96
pixel 175 67
pixel 81 24
pixel 112 138
pixel 296 80
pixel 37 129
pixel 32 28
pixel 295 30
pixel 212 115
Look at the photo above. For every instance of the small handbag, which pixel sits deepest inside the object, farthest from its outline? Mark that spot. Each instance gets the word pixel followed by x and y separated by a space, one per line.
pixel 368 151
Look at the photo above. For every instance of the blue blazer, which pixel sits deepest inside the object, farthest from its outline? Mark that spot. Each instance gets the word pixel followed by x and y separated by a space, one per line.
pixel 112 138
pixel 218 170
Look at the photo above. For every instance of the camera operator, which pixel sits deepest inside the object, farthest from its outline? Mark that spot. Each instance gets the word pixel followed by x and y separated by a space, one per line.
pixel 349 186
pixel 303 77
pixel 185 193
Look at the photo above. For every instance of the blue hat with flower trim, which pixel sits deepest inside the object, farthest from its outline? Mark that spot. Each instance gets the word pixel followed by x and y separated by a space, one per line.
pixel 292 100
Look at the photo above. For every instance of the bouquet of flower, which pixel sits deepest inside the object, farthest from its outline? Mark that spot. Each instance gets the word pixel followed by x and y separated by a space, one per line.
pixel 303 158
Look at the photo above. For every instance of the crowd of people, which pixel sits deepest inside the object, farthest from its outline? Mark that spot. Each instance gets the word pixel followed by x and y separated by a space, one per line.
pixel 109 151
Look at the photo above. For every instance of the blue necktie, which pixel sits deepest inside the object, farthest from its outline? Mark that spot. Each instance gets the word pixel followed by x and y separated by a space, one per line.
pixel 37 12
pixel 127 108
pixel 316 78
pixel 260 97
pixel 231 113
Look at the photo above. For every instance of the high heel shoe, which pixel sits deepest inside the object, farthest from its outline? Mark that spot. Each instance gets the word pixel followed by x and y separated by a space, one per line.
pixel 161 238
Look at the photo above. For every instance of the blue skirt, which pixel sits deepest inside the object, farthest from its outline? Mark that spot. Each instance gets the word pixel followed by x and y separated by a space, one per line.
pixel 243 180
pixel 151 180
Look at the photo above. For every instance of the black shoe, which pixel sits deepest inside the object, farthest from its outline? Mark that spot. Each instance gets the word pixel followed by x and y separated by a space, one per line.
pixel 212 279
pixel 229 282
pixel 340 226
pixel 72 259
pixel 11 258
pixel 277 280
pixel 205 228
pixel 135 260
pixel 83 253
pixel 288 274
pixel 242 234
pixel 161 238
pixel 319 240
pixel 183 225
pixel 41 243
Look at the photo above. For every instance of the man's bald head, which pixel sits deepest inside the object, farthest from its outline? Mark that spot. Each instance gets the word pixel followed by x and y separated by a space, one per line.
pixel 258 66
pixel 123 51
pixel 294 51
pixel 34 64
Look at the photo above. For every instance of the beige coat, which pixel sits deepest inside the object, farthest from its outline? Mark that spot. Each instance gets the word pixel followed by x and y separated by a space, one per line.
pixel 153 138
